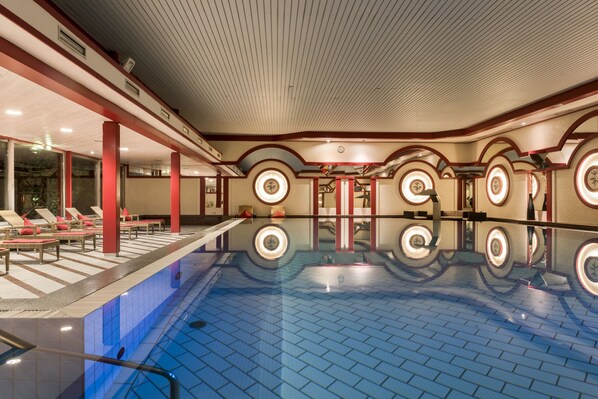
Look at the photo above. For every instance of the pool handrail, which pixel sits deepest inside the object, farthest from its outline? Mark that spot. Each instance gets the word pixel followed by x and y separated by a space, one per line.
pixel 20 346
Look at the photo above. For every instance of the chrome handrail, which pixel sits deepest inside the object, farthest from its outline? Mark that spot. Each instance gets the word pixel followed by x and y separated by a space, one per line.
pixel 20 346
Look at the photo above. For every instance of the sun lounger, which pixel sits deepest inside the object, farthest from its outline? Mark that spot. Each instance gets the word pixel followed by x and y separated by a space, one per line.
pixel 39 245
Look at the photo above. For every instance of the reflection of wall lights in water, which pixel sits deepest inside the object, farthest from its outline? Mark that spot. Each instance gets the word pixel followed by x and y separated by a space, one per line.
pixel 278 239
pixel 497 247
pixel 586 267
pixel 413 241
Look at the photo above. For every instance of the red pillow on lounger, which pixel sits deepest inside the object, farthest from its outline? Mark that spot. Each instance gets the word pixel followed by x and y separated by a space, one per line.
pixel 29 231
pixel 278 214
pixel 246 214
pixel 86 220
pixel 61 226
pixel 126 214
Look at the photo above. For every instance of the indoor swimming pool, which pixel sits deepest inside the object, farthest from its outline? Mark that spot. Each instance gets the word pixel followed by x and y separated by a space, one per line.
pixel 357 308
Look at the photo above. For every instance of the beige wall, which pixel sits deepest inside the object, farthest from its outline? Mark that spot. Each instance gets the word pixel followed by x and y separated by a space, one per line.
pixel 568 208
pixel 390 201
pixel 515 207
pixel 298 202
pixel 151 196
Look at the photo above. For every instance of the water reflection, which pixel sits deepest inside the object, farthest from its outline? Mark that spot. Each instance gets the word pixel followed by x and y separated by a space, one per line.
pixel 502 256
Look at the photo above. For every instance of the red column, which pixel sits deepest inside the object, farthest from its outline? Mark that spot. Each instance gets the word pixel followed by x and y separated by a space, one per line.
pixel 175 193
pixel 373 195
pixel 219 191
pixel 111 187
pixel 202 196
pixel 68 179
pixel 339 195
pixel 351 194
pixel 549 196
pixel 316 195
pixel 225 196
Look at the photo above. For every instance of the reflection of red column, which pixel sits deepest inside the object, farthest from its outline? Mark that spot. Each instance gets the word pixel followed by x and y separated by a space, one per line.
pixel 373 195
pixel 68 179
pixel 373 236
pixel 111 187
pixel 315 234
pixel 316 195
pixel 548 249
pixel 549 196
pixel 202 196
pixel 175 192
pixel 339 195
pixel 351 235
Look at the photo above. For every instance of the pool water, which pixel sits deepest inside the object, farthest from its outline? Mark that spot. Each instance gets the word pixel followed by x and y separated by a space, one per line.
pixel 387 308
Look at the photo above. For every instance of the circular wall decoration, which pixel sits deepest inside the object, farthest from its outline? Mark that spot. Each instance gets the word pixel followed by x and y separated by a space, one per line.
pixel 413 183
pixel 497 185
pixel 586 266
pixel 271 186
pixel 535 186
pixel 413 241
pixel 497 248
pixel 271 242
pixel 586 179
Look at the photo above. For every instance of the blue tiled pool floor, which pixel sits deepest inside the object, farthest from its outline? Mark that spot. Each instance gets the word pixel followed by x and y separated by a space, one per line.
pixel 357 332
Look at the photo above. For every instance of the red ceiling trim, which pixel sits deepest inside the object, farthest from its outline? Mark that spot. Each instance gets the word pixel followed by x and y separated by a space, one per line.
pixel 65 20
pixel 24 64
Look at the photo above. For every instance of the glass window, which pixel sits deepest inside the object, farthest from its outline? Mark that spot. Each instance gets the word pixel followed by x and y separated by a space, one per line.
pixel 84 186
pixel 37 179
pixel 3 149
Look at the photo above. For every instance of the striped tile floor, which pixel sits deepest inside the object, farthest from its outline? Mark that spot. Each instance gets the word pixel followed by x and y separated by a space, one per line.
pixel 29 279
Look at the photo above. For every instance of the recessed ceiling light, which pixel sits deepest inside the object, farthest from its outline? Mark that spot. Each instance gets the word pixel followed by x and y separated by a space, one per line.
pixel 66 328
pixel 328 141
pixel 523 123
pixel 124 148
pixel 196 172
pixel 13 112
pixel 13 361
pixel 92 152
pixel 66 130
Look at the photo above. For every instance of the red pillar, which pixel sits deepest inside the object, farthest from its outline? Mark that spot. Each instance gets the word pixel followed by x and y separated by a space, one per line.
pixel 225 196
pixel 373 195
pixel 68 179
pixel 202 196
pixel 316 196
pixel 351 194
pixel 175 193
pixel 339 195
pixel 111 187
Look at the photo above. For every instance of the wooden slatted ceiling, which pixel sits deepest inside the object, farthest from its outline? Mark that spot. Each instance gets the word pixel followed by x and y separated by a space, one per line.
pixel 281 66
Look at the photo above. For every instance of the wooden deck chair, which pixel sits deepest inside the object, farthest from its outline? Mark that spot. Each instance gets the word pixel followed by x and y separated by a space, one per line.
pixel 58 223
pixel 277 211
pixel 22 227
pixel 245 211
pixel 85 220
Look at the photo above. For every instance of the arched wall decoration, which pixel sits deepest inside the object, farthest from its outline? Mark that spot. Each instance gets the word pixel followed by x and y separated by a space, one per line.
pixel 535 185
pixel 586 179
pixel 271 186
pixel 586 266
pixel 497 185
pixel 414 182
pixel 271 242
pixel 498 251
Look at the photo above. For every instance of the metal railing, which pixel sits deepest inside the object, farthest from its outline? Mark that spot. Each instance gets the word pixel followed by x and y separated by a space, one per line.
pixel 20 346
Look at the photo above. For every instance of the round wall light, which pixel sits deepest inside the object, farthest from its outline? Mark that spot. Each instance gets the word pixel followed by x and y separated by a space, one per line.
pixel 413 183
pixel 586 179
pixel 497 185
pixel 271 186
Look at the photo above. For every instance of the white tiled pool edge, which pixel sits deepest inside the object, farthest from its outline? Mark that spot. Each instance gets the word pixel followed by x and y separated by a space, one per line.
pixel 91 302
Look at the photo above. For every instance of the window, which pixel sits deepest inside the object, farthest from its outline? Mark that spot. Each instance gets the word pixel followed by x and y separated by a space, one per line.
pixel 37 179
pixel 84 186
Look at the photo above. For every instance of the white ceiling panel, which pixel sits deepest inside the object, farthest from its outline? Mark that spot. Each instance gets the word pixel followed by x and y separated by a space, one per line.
pixel 283 66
